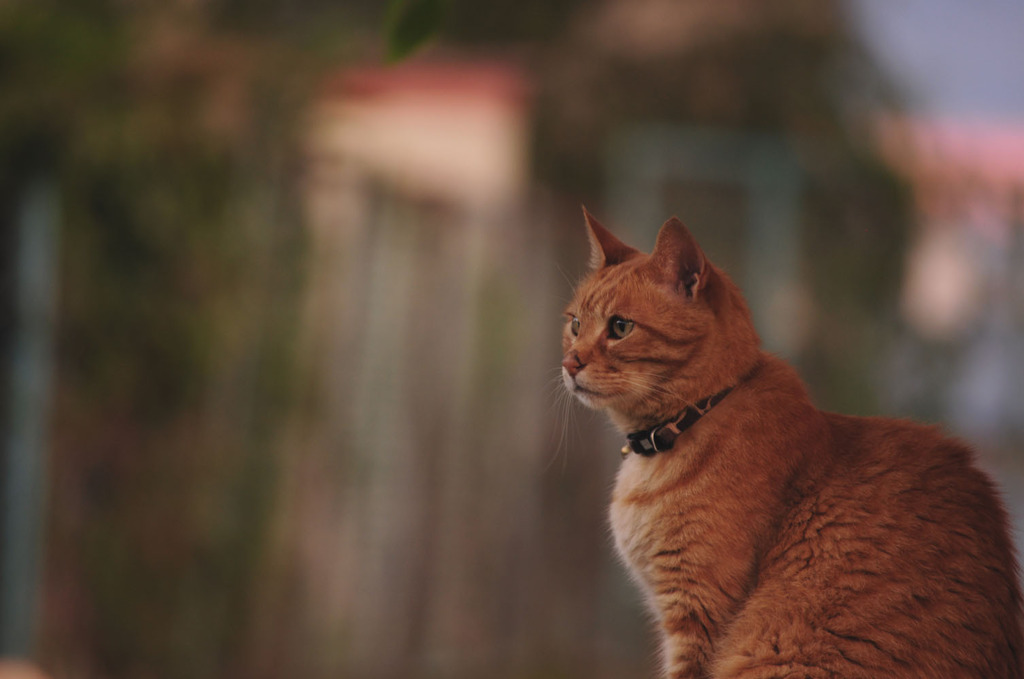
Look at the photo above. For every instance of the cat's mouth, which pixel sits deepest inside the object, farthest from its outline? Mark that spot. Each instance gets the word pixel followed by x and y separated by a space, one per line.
pixel 583 391
pixel 588 396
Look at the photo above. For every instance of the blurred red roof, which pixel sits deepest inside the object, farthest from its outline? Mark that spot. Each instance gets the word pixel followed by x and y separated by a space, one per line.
pixel 497 81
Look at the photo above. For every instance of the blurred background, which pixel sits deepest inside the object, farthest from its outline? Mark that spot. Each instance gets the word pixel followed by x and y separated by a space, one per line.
pixel 281 294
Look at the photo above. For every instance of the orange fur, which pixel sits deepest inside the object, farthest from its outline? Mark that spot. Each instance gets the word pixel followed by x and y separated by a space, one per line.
pixel 774 539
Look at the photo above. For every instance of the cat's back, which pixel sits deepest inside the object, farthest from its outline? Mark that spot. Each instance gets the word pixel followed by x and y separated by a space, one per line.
pixel 924 485
pixel 896 561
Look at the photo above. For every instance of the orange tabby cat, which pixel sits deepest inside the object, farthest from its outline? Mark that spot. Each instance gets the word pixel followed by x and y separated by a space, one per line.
pixel 772 539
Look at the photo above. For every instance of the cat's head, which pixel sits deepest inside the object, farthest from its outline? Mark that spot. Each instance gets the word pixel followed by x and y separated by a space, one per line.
pixel 646 335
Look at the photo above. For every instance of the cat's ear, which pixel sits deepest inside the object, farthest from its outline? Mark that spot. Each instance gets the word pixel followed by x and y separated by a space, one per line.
pixel 679 258
pixel 605 249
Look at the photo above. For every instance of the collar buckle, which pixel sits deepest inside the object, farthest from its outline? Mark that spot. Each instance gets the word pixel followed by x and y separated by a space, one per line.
pixel 661 438
pixel 654 440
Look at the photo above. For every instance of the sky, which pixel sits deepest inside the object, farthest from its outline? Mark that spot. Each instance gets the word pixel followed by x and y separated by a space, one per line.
pixel 959 59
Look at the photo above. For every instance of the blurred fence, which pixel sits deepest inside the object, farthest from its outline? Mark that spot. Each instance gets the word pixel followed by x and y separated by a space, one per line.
pixel 419 484
pixel 25 450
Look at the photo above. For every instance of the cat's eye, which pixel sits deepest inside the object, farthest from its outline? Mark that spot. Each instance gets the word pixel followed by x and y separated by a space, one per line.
pixel 619 327
pixel 574 325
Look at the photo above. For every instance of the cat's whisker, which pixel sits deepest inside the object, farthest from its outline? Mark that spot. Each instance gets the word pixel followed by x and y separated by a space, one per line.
pixel 564 407
pixel 572 284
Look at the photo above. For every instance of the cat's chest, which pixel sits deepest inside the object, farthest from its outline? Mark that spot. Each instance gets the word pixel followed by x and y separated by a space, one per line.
pixel 635 513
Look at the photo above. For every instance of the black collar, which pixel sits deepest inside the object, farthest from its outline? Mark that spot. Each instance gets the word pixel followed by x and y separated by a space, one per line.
pixel 660 438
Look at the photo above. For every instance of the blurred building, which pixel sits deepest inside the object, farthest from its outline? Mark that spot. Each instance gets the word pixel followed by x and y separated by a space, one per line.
pixel 963 296
pixel 454 133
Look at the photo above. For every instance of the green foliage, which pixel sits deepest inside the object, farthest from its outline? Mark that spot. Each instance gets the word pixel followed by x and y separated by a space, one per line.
pixel 170 144
pixel 410 25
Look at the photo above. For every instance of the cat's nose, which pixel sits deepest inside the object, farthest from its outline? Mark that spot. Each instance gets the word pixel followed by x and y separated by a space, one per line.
pixel 572 364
